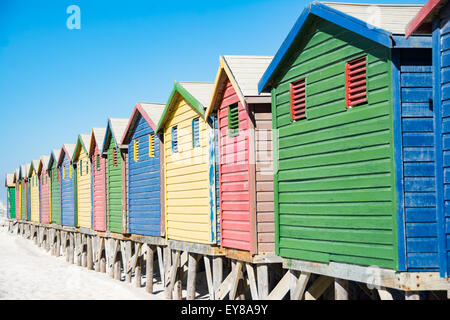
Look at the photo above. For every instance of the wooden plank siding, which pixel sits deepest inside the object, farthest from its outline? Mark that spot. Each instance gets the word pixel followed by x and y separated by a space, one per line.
pixel 84 200
pixel 45 196
pixel 11 202
pixel 34 196
pixel 18 199
pixel 23 200
pixel 264 178
pixel 144 189
pixel 187 178
pixel 418 156
pixel 114 187
pixel 335 197
pixel 444 38
pixel 68 195
pixel 99 190
pixel 55 194
pixel 235 191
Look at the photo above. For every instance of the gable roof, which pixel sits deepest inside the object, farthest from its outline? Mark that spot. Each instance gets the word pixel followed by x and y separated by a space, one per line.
pixel 376 22
pixel 16 175
pixel 82 142
pixel 197 94
pixel 117 128
pixel 9 180
pixel 54 156
pixel 244 73
pixel 151 112
pixel 67 148
pixel 34 166
pixel 97 137
pixel 43 163
pixel 421 23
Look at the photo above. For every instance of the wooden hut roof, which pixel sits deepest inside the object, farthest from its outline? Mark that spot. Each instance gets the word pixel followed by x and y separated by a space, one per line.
pixel 96 139
pixel 67 148
pixel 117 128
pixel 43 163
pixel 421 23
pixel 9 180
pixel 377 22
pixel 197 94
pixel 54 156
pixel 151 112
pixel 244 73
pixel 82 142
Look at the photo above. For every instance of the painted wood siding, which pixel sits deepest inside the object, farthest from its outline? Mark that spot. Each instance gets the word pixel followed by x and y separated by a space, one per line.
pixel 445 114
pixel 68 210
pixel 84 190
pixel 55 196
pixel 188 211
pixel 235 191
pixel 264 178
pixel 144 189
pixel 18 200
pixel 45 196
pixel 23 201
pixel 334 171
pixel 34 196
pixel 11 202
pixel 418 155
pixel 99 191
pixel 114 190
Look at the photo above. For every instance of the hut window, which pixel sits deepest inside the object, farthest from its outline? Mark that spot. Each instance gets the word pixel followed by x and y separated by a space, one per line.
pixel 87 167
pixel 298 100
pixel 195 133
pixel 81 168
pixel 151 145
pixel 355 82
pixel 233 120
pixel 174 139
pixel 114 157
pixel 64 173
pixel 70 172
pixel 136 150
pixel 97 162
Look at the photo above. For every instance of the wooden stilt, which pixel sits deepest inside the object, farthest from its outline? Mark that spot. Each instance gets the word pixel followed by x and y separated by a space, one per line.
pixel 72 248
pixel 262 273
pixel 252 281
pixel 237 273
pixel 161 265
pixel 83 246
pixel 340 289
pixel 149 269
pixel 58 244
pixel 173 273
pixel 126 254
pixel 318 288
pixel 167 265
pixel 192 277
pixel 300 286
pixel 217 273
pixel 90 262
pixel 138 273
pixel 118 269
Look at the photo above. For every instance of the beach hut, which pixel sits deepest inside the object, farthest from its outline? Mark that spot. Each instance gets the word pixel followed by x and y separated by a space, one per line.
pixel 34 191
pixel 189 164
pixel 353 139
pixel 245 152
pixel 68 186
pixel 45 189
pixel 11 194
pixel 55 185
pixel 98 178
pixel 18 192
pixel 434 19
pixel 116 155
pixel 145 175
pixel 24 192
pixel 82 163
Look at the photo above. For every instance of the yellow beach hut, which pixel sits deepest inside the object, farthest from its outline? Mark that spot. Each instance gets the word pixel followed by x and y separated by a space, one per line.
pixel 189 168
pixel 84 181
pixel 34 191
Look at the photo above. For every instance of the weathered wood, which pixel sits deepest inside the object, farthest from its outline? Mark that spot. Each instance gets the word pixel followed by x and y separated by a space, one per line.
pixel 385 294
pixel 300 286
pixel 126 256
pixel 149 268
pixel 252 281
pixel 138 273
pixel 118 270
pixel 282 288
pixel 412 295
pixel 83 250
pixel 340 289
pixel 72 248
pixel 173 273
pixel 90 262
pixel 236 277
pixel 370 293
pixel 262 273
pixel 58 244
pixel 209 277
pixel 318 288
pixel 159 251
pixel 167 264
pixel 192 276
pixel 177 292
pixel 217 272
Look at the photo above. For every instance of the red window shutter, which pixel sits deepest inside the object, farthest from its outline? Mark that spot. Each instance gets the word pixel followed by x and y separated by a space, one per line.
pixel 298 100
pixel 355 82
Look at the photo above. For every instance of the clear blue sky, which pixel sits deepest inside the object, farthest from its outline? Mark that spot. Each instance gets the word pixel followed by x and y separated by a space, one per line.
pixel 56 83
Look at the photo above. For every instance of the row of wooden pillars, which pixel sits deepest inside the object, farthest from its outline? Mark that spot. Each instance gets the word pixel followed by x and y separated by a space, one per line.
pixel 178 270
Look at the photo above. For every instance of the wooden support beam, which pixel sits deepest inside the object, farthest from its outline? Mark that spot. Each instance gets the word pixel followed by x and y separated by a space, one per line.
pixel 370 293
pixel 160 257
pixel 177 292
pixel 149 268
pixel 192 276
pixel 209 277
pixel 129 266
pixel 217 272
pixel 173 273
pixel 72 248
pixel 236 277
pixel 340 289
pixel 83 248
pixel 90 262
pixel 58 243
pixel 252 281
pixel 167 258
pixel 318 288
pixel 301 283
pixel 282 288
pixel 138 272
pixel 224 287
pixel 262 273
